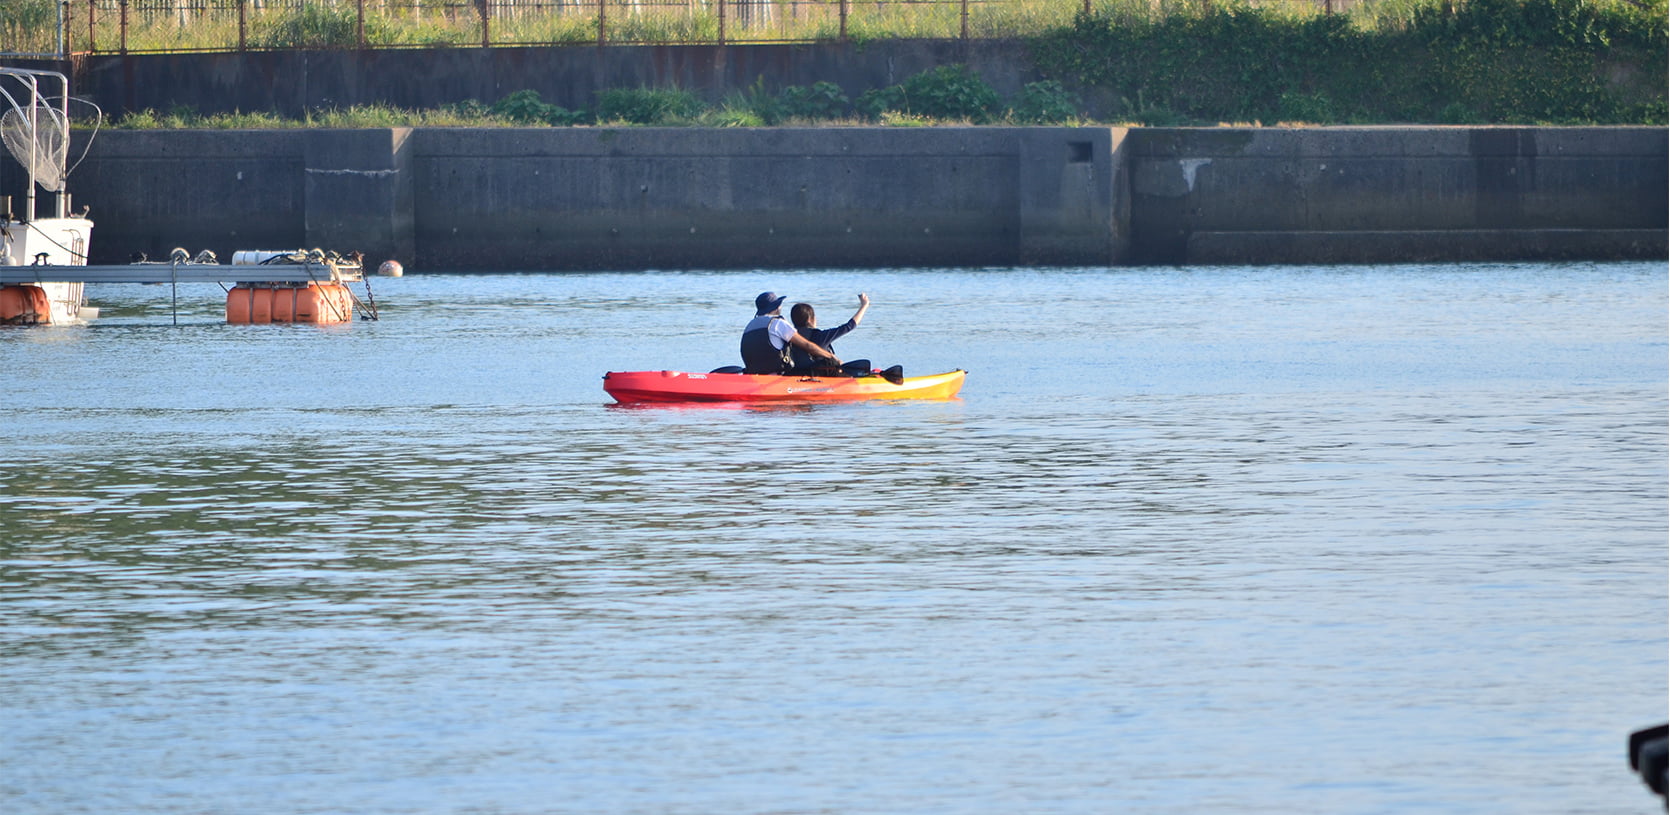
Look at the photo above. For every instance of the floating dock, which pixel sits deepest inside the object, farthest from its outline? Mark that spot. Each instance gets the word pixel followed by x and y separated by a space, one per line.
pixel 268 287
pixel 43 260
pixel 190 272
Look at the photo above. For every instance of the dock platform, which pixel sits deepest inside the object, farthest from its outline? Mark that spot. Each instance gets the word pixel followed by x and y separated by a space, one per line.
pixel 181 273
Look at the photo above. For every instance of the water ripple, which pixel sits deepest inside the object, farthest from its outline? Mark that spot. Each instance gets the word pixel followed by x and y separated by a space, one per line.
pixel 1378 539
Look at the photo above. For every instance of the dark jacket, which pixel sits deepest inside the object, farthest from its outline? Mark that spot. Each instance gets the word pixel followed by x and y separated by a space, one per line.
pixel 759 356
pixel 825 337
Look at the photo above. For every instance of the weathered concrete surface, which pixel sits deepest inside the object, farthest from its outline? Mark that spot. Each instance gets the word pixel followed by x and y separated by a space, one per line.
pixel 358 190
pixel 643 198
pixel 658 198
pixel 590 198
pixel 1074 202
pixel 1388 194
pixel 150 191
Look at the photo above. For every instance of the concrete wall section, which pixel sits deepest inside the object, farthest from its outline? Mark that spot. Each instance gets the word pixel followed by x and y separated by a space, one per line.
pixel 359 191
pixel 681 198
pixel 641 198
pixel 152 191
pixel 1307 195
pixel 1074 197
pixel 590 198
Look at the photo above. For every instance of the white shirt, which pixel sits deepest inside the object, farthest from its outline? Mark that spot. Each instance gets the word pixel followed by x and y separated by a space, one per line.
pixel 780 330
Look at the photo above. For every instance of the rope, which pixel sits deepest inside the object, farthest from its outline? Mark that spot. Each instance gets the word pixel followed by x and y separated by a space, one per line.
pixel 72 253
pixel 340 317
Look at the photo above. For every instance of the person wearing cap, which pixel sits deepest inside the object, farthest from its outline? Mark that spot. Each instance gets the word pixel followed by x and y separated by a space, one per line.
pixel 805 320
pixel 768 340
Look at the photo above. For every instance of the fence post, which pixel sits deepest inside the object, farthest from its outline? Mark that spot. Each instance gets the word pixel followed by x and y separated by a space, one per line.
pixel 92 36
pixel 243 25
pixel 64 21
pixel 486 39
pixel 1087 8
pixel 602 22
pixel 359 21
pixel 964 15
pixel 124 27
pixel 721 21
pixel 843 20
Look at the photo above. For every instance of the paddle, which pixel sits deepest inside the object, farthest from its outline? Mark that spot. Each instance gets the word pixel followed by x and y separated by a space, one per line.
pixel 861 368
pixel 894 375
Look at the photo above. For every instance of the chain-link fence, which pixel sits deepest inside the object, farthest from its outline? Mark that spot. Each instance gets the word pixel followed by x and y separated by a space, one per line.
pixel 47 27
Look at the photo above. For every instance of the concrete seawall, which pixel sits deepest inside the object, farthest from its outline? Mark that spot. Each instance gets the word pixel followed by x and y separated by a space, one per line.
pixel 599 198
pixel 1387 194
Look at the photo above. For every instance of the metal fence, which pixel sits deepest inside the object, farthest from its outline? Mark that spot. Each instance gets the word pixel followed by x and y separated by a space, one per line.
pixel 172 26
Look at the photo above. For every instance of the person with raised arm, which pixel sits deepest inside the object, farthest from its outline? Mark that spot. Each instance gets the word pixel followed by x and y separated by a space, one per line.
pixel 806 323
pixel 768 340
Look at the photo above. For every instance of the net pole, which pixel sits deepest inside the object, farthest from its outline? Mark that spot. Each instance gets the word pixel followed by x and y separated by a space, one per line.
pixel 34 144
pixel 62 164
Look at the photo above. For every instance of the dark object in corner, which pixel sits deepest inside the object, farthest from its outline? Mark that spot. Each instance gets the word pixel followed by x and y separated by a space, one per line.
pixel 1647 750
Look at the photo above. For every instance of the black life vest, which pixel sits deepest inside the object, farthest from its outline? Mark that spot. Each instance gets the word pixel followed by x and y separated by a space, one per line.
pixel 759 356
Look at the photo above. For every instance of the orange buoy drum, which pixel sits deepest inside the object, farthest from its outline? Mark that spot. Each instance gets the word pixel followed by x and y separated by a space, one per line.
pixel 318 303
pixel 24 305
pixel 283 307
pixel 324 303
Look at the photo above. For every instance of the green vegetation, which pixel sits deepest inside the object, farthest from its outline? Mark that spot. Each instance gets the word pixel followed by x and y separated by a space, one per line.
pixel 648 106
pixel 526 108
pixel 329 25
pixel 1149 62
pixel 29 26
pixel 467 115
pixel 1046 102
pixel 1466 62
pixel 824 100
pixel 949 94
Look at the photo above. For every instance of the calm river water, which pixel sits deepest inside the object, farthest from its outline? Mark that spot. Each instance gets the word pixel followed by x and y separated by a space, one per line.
pixel 1328 540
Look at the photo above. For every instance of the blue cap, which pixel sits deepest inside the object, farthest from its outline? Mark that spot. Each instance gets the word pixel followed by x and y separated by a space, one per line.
pixel 768 302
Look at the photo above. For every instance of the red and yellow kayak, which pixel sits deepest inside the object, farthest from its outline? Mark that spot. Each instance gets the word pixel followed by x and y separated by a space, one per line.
pixel 679 386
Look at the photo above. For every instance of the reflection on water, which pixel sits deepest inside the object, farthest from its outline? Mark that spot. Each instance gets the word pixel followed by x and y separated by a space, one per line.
pixel 1345 540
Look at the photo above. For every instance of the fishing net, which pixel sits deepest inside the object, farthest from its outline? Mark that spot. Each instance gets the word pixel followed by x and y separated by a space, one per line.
pixel 41 146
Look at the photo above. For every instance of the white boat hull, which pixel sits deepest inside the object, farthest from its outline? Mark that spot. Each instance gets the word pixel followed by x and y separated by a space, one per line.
pixel 51 242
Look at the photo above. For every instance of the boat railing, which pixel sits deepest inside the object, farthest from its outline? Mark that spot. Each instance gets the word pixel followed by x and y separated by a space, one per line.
pixel 35 128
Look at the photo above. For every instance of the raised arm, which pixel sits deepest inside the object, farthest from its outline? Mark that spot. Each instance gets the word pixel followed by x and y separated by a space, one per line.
pixel 863 306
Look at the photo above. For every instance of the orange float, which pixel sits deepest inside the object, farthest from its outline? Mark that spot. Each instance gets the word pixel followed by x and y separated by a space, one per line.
pixel 24 305
pixel 283 305
pixel 261 303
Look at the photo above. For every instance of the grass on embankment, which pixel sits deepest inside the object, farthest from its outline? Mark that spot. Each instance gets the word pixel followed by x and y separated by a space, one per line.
pixel 1575 62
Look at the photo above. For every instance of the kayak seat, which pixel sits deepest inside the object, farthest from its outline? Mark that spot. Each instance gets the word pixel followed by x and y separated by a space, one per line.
pixel 728 369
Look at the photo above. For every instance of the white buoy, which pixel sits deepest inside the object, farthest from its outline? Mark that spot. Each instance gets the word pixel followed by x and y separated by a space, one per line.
pixel 390 268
